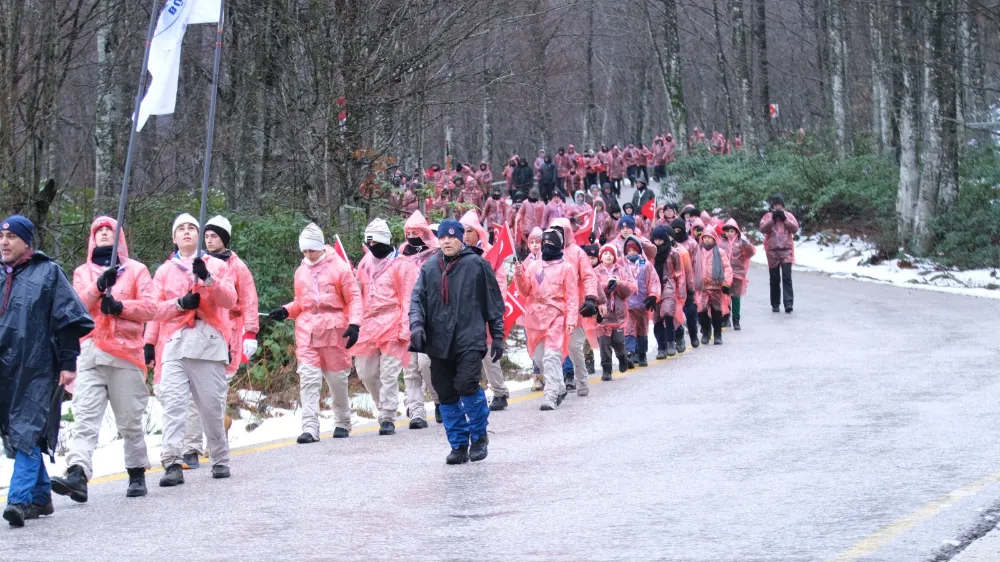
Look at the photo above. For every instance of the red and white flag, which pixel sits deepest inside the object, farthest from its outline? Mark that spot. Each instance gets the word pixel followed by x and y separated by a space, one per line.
pixel 649 209
pixel 338 247
pixel 583 232
pixel 513 308
pixel 503 247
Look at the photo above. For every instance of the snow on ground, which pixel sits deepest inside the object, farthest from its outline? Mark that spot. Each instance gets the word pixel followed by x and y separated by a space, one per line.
pixel 844 257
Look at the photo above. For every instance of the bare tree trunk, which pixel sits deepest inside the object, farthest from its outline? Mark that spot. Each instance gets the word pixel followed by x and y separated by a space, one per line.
pixel 760 46
pixel 742 71
pixel 590 114
pixel 487 150
pixel 909 173
pixel 881 120
pixel 720 60
pixel 643 128
pixel 835 39
pixel 107 172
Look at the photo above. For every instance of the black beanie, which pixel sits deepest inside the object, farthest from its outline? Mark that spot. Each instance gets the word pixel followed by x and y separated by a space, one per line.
pixel 592 250
pixel 221 232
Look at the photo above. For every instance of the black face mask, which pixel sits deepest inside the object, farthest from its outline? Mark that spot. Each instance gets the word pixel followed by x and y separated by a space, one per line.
pixel 533 199
pixel 380 250
pixel 550 252
pixel 496 196
pixel 416 242
pixel 680 236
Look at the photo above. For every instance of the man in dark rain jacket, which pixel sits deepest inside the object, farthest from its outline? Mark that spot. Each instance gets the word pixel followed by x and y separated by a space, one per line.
pixel 456 297
pixel 41 323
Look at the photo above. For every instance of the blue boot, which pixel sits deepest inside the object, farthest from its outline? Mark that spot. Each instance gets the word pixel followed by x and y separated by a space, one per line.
pixel 456 426
pixel 478 412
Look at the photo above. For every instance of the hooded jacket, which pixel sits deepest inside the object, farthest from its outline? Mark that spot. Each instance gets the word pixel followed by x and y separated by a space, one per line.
pixel 779 241
pixel 386 285
pixel 418 222
pixel 550 290
pixel 484 177
pixel 646 281
pixel 617 298
pixel 244 318
pixel 739 251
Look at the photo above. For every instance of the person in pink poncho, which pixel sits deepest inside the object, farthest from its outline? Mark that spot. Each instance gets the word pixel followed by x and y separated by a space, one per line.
pixel 668 315
pixel 617 285
pixel 779 228
pixel 739 250
pixel 716 283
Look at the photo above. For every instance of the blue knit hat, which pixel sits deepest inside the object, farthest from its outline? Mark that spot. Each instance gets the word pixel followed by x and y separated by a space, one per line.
pixel 626 220
pixel 451 228
pixel 21 227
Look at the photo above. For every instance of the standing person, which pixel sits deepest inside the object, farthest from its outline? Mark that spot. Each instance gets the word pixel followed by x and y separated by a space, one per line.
pixel 779 228
pixel 484 178
pixel 659 159
pixel 604 161
pixel 523 177
pixel 243 322
pixel 539 162
pixel 616 169
pixel 563 163
pixel 688 248
pixel 529 216
pixel 111 366
pixel 493 211
pixel 41 323
pixel 327 314
pixel 193 295
pixel 381 354
pixel 547 176
pixel 602 221
pixel 574 179
pixel 640 303
pixel 554 209
pixel 669 151
pixel 468 193
pixel 717 280
pixel 508 174
pixel 739 250
pixel 617 284
pixel 454 301
pixel 631 157
pixel 640 226
pixel 588 297
pixel 669 313
pixel 592 167
pixel 642 195
pixel 419 246
pixel 549 287
pixel 644 157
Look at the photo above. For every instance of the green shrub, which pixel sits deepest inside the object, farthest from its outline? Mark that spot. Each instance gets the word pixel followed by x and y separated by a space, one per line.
pixel 969 236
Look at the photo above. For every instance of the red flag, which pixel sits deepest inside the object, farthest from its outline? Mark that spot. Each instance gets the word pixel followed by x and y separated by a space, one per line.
pixel 503 247
pixel 338 247
pixel 513 308
pixel 649 209
pixel 584 231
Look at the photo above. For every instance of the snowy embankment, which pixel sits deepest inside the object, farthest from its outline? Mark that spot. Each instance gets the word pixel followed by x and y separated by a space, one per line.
pixel 847 258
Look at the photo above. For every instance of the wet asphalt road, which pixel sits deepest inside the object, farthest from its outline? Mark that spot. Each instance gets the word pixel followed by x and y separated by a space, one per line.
pixel 801 436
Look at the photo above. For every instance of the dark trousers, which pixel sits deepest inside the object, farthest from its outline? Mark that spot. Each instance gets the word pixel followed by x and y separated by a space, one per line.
pixel 614 343
pixel 644 172
pixel 781 286
pixel 632 172
pixel 616 185
pixel 691 312
pixel 663 331
pixel 591 180
pixel 603 178
pixel 659 172
pixel 458 376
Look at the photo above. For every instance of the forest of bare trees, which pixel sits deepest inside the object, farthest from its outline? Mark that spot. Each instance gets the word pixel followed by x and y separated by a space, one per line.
pixel 915 80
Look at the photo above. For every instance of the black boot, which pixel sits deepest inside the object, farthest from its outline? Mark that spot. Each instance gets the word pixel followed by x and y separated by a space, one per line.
pixel 726 321
pixel 623 364
pixel 661 353
pixel 16 513
pixel 671 349
pixel 570 380
pixel 386 428
pixel 606 376
pixel 437 413
pixel 736 323
pixel 642 360
pixel 418 423
pixel 173 476
pixel 478 450
pixel 681 344
pixel 74 484
pixel 341 433
pixel 706 326
pixel 498 403
pixel 35 511
pixel 306 438
pixel 458 456
pixel 717 326
pixel 136 483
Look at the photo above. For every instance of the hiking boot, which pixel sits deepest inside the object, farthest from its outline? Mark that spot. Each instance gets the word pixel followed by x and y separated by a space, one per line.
pixel 418 423
pixel 681 345
pixel 547 407
pixel 220 471
pixel 561 397
pixel 173 476
pixel 191 461
pixel 583 389
pixel 590 367
pixel 788 310
pixel 74 484
pixel 642 360
pixel 386 428
pixel 671 349
pixel 498 403
pixel 306 438
pixel 136 483
pixel 16 513
pixel 341 433
pixel 606 376
pixel 477 451
pixel 34 510
pixel 570 382
pixel 437 413
pixel 736 324
pixel 775 309
pixel 661 354
pixel 623 365
pixel 694 341
pixel 705 338
pixel 538 384
pixel 458 456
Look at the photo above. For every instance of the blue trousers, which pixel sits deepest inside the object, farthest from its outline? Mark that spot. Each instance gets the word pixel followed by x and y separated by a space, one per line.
pixel 30 481
pixel 465 420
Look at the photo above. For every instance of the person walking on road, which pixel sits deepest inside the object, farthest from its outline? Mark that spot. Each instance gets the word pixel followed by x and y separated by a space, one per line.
pixel 327 314
pixel 779 227
pixel 716 283
pixel 641 303
pixel 669 313
pixel 739 250
pixel 111 366
pixel 688 248
pixel 617 284
pixel 454 301
pixel 41 323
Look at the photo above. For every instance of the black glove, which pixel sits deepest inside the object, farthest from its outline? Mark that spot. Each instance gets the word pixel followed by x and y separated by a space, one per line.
pixel 589 308
pixel 496 350
pixel 726 290
pixel 592 237
pixel 611 285
pixel 149 353
pixel 278 314
pixel 107 279
pixel 778 215
pixel 199 268
pixel 189 301
pixel 650 303
pixel 417 341
pixel 109 306
pixel 352 335
pixel 599 318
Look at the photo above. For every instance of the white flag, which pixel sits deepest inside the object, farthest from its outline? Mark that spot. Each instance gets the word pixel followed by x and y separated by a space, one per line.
pixel 165 53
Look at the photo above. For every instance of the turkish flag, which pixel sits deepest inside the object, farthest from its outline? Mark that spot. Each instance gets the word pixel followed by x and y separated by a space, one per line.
pixel 513 308
pixel 649 209
pixel 503 247
pixel 338 247
pixel 583 232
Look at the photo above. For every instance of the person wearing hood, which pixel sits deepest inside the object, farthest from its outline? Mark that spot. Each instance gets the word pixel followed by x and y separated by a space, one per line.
pixel 529 216
pixel 563 163
pixel 616 170
pixel 474 237
pixel 717 280
pixel 327 313
pixel 659 152
pixel 617 285
pixel 534 254
pixel 243 323
pixel 644 156
pixel 642 195
pixel 669 313
pixel 409 202
pixel 641 303
pixel 739 250
pixel 687 247
pixel 669 150
pixel 381 349
pixel 589 298
pixel 631 157
pixel 469 193
pixel 666 215
pixel 455 301
pixel 779 228
pixel 554 209
pixel 191 335
pixel 591 168
pixel 494 210
pixel 539 162
pixel 604 158
pixel 628 210
pixel 549 287
pixel 602 220
pixel 689 213
pixel 419 246
pixel 41 323
pixel 508 174
pixel 445 204
pixel 574 178
pixel 484 177
pixel 580 211
pixel 626 228
pixel 547 175
pixel 523 176
pixel 110 367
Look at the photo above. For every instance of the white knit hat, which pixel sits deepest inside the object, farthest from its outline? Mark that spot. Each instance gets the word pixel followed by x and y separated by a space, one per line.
pixel 221 222
pixel 311 238
pixel 183 218
pixel 378 230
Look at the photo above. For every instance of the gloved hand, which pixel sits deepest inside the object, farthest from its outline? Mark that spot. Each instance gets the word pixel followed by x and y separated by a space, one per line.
pixel 611 285
pixel 352 335
pixel 199 268
pixel 149 354
pixel 189 301
pixel 778 215
pixel 249 348
pixel 650 303
pixel 496 350
pixel 107 279
pixel 593 237
pixel 589 308
pixel 600 317
pixel 417 341
pixel 111 307
pixel 278 314
pixel 726 290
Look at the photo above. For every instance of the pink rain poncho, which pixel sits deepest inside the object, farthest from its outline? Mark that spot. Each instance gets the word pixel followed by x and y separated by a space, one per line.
pixel 673 289
pixel 739 251
pixel 244 320
pixel 616 299
pixel 551 307
pixel 528 217
pixel 586 279
pixel 417 221
pixel 779 241
pixel 716 273
pixel 386 285
pixel 484 177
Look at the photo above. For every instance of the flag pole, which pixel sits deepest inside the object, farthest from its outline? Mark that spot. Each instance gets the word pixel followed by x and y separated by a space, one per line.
pixel 126 176
pixel 211 125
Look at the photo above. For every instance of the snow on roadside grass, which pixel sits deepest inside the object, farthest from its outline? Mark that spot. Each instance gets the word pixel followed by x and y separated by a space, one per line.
pixel 845 258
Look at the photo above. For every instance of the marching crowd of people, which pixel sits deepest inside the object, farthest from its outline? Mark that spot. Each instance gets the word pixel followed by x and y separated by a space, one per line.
pixel 580 276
